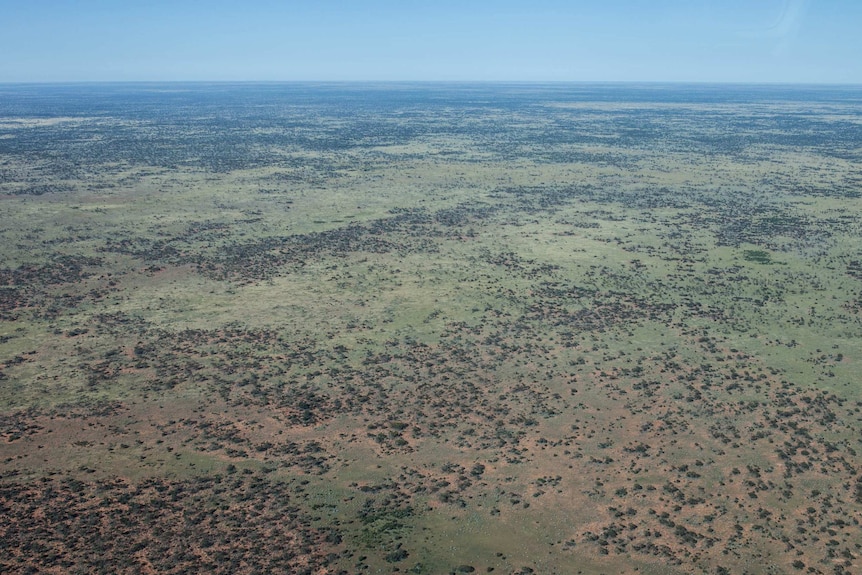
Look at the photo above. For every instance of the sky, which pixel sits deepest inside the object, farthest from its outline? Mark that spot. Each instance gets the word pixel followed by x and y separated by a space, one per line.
pixel 785 41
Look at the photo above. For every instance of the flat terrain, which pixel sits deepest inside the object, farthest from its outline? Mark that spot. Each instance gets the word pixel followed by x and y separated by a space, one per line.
pixel 352 328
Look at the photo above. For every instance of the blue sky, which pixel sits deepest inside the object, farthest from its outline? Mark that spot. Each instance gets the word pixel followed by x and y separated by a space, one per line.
pixel 815 41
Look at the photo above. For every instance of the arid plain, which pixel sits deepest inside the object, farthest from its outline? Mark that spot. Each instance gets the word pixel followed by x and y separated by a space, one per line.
pixel 428 328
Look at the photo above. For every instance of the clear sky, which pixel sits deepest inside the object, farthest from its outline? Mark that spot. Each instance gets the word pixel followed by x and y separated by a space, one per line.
pixel 817 41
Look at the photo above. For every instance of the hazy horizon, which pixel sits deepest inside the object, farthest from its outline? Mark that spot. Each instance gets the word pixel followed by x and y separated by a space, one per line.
pixel 655 83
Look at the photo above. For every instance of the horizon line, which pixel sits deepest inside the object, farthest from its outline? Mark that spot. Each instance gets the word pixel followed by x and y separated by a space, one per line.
pixel 434 81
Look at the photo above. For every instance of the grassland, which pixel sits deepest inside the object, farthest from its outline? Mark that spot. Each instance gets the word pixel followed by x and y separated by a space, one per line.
pixel 430 329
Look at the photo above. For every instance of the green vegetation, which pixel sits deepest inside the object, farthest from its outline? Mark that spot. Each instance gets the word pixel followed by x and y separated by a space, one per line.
pixel 758 256
pixel 430 329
